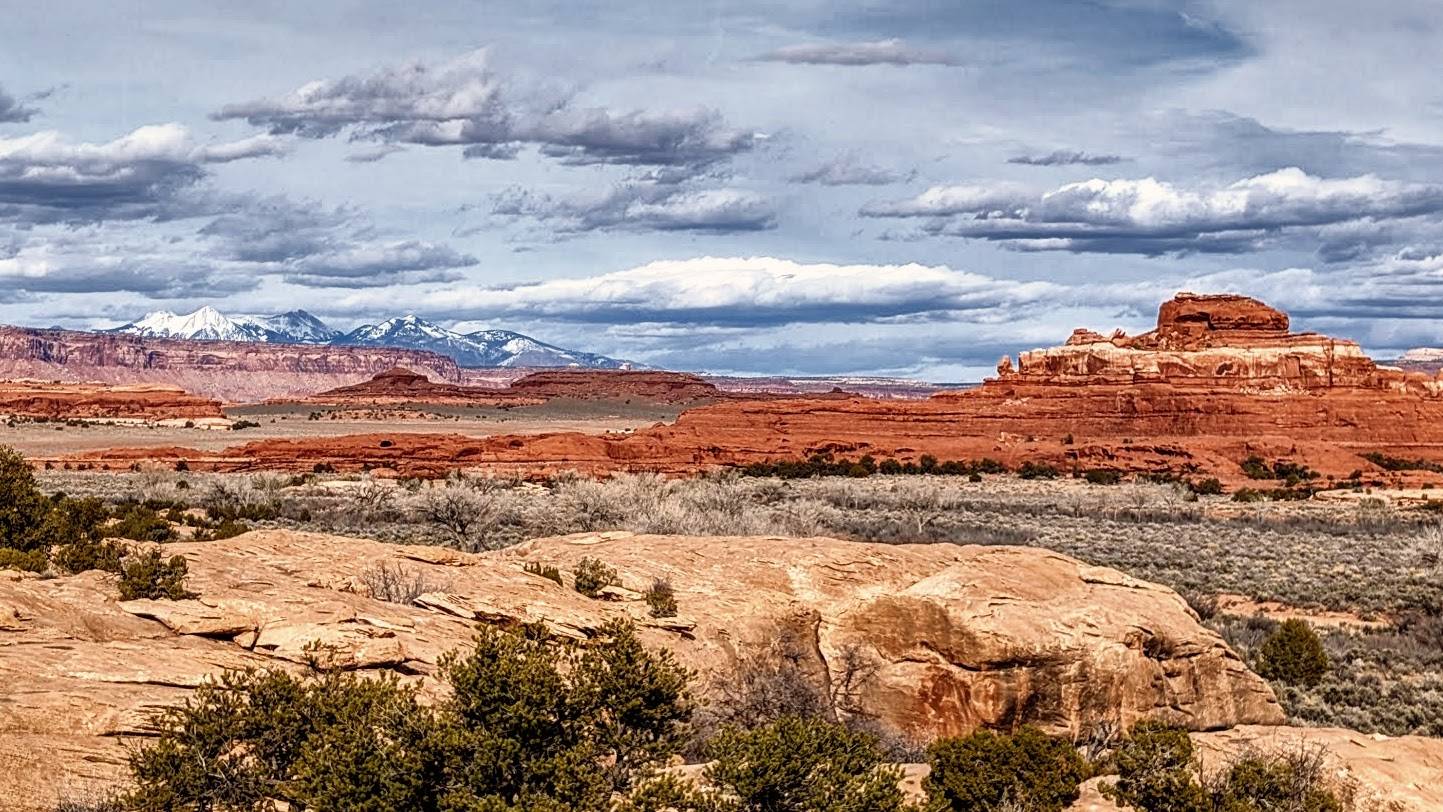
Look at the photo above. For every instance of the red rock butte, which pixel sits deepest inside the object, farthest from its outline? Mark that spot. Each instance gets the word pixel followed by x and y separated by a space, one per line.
pixel 1219 379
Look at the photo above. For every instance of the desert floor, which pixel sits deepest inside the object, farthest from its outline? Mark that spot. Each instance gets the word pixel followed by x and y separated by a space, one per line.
pixel 303 420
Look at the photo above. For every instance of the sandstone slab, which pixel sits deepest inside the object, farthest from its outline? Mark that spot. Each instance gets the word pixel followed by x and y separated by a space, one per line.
pixel 957 636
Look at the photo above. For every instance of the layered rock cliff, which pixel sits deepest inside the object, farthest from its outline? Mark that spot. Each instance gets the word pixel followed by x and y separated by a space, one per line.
pixel 98 401
pixel 228 370
pixel 953 637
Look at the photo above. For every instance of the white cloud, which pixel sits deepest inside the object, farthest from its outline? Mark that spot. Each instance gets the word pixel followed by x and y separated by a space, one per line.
pixel 1150 216
pixel 744 291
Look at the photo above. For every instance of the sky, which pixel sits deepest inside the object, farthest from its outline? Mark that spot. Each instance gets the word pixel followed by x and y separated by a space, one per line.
pixel 901 187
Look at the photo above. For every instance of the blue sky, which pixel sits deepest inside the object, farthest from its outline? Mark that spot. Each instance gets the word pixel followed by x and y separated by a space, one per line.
pixel 906 187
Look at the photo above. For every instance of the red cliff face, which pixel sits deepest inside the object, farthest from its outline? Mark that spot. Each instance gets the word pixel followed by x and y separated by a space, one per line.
pixel 1219 379
pixel 97 401
pixel 231 371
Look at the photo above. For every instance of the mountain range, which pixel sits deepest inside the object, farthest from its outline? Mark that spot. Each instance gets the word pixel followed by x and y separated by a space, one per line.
pixel 481 349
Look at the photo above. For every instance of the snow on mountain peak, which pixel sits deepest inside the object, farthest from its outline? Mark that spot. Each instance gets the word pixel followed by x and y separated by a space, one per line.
pixel 486 348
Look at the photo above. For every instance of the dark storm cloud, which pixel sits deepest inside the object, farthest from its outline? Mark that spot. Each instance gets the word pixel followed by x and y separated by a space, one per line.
pixel 642 206
pixel 1147 216
pixel 12 111
pixel 465 103
pixel 1066 158
pixel 882 52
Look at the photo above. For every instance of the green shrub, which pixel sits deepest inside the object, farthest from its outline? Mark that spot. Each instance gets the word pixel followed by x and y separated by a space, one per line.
pixel 802 765
pixel 527 726
pixel 89 554
pixel 661 598
pixel 141 523
pixel 981 771
pixel 150 575
pixel 23 508
pixel 1296 781
pixel 1156 772
pixel 1206 487
pixel 1036 470
pixel 1102 477
pixel 1293 654
pixel 545 571
pixel 591 576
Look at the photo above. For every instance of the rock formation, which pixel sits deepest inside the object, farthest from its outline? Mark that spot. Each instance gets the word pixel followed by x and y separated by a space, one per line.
pixel 650 386
pixel 230 371
pixel 400 386
pixel 957 636
pixel 97 401
pixel 1220 379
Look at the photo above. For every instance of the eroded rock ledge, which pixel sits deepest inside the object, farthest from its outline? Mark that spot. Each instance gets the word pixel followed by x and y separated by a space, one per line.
pixel 960 636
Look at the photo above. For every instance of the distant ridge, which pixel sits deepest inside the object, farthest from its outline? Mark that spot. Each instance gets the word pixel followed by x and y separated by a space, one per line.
pixel 479 350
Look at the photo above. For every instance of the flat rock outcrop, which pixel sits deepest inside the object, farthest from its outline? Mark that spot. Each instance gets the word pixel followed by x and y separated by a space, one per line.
pixel 400 386
pixel 651 386
pixel 55 400
pixel 403 386
pixel 234 372
pixel 957 637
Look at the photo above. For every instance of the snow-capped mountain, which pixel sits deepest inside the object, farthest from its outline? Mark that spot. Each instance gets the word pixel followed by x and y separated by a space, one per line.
pixel 209 324
pixel 206 323
pixel 487 348
pixel 297 326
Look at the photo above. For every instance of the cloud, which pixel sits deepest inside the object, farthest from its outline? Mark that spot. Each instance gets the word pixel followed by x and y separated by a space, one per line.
pixel 1066 158
pixel 851 170
pixel 465 103
pixel 642 205
pixel 1148 216
pixel 308 244
pixel 880 52
pixel 45 176
pixel 99 263
pixel 1219 140
pixel 372 154
pixel 748 291
pixel 379 265
pixel 12 111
